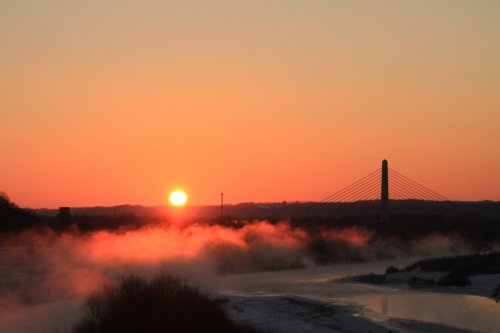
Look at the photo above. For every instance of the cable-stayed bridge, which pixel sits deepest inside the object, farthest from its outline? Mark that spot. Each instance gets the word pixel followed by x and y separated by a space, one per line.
pixel 382 195
pixel 382 192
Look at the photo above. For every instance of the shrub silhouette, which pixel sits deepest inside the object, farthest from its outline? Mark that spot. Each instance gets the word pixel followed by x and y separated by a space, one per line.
pixel 475 264
pixel 165 304
pixel 416 282
pixel 457 278
pixel 495 294
pixel 392 270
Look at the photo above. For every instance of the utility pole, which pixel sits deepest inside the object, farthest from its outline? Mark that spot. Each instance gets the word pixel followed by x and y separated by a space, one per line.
pixel 221 206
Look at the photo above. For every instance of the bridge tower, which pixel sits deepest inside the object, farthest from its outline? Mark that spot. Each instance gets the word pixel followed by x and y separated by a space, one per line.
pixel 384 198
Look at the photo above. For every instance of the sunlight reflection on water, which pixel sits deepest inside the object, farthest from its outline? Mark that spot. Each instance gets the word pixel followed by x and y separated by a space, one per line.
pixel 462 311
pixel 467 312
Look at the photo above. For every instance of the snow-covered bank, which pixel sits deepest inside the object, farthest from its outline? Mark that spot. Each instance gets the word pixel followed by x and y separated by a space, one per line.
pixel 480 285
pixel 265 298
pixel 294 314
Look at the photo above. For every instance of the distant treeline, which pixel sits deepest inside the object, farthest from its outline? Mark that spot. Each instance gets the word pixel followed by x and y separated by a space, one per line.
pixel 476 264
pixel 14 218
pixel 458 270
pixel 476 230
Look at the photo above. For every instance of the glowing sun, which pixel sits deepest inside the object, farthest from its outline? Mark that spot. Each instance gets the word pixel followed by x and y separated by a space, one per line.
pixel 178 198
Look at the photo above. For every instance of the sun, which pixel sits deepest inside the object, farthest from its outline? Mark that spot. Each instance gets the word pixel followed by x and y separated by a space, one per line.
pixel 178 198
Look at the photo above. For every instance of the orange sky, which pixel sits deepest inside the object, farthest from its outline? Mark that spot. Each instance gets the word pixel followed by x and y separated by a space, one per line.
pixel 115 102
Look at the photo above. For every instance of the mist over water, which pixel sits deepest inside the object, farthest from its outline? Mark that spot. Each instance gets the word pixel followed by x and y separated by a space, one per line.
pixel 41 266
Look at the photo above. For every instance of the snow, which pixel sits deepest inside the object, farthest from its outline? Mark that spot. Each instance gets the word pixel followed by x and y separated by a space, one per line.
pixel 316 300
pixel 481 285
pixel 299 314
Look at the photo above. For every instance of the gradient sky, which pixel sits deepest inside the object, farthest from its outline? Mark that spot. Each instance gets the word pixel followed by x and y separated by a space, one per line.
pixel 111 102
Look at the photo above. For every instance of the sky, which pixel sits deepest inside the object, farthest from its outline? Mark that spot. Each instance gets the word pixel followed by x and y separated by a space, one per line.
pixel 114 102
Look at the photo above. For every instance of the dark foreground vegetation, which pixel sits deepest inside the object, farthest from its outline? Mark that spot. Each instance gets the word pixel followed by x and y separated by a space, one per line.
pixel 164 304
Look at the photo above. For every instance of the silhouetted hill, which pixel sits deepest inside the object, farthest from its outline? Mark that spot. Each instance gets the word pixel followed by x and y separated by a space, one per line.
pixel 285 210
